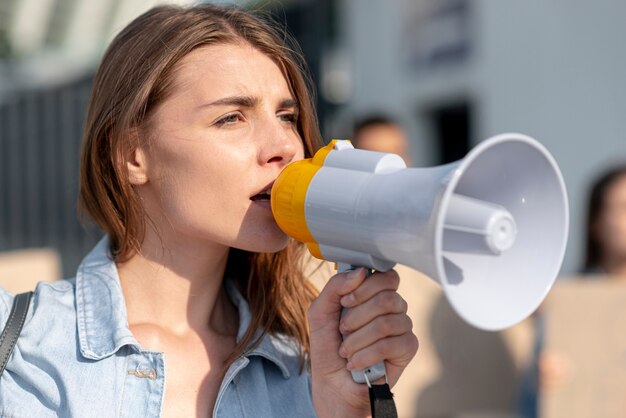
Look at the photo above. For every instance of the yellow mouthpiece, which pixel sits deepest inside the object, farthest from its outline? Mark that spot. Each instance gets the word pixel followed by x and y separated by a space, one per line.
pixel 288 198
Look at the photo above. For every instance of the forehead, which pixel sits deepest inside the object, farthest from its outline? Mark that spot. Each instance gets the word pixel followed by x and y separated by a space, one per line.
pixel 617 190
pixel 381 133
pixel 229 69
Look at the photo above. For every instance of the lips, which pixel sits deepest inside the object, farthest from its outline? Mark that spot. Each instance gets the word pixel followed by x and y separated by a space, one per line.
pixel 263 195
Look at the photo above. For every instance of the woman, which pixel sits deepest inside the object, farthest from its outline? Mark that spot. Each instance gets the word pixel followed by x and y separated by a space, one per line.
pixel 605 258
pixel 606 225
pixel 195 303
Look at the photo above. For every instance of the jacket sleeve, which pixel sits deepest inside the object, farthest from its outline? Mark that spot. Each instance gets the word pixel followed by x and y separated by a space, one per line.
pixel 6 300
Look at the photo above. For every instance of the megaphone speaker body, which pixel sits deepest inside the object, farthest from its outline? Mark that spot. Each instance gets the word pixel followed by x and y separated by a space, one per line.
pixel 491 229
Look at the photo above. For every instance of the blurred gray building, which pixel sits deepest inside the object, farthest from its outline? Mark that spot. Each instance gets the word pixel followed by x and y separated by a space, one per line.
pixel 49 50
pixel 454 72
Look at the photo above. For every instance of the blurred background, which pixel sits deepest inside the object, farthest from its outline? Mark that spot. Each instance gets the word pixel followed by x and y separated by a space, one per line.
pixel 450 73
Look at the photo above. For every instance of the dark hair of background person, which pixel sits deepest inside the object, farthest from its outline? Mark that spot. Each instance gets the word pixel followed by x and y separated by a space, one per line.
pixel 597 197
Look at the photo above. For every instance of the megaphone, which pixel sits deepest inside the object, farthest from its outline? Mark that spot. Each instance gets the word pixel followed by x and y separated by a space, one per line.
pixel 490 229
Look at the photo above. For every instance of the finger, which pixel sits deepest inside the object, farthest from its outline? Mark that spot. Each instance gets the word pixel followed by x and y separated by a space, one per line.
pixel 383 303
pixel 395 351
pixel 326 307
pixel 378 282
pixel 380 328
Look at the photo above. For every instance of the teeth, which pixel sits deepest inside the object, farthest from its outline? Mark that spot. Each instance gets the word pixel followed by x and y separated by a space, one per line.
pixel 265 194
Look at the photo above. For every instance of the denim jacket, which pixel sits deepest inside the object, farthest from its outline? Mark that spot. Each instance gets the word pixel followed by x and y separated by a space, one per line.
pixel 76 357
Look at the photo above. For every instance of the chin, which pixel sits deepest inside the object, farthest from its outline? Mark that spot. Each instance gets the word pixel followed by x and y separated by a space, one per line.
pixel 266 243
pixel 275 246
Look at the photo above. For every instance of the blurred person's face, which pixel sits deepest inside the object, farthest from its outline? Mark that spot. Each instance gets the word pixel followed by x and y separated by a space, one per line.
pixel 215 147
pixel 612 222
pixel 384 138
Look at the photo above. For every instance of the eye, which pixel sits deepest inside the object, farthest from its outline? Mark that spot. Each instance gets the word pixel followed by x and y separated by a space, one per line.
pixel 290 117
pixel 229 120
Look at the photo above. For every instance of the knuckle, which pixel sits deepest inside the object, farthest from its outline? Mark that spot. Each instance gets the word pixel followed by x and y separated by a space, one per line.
pixel 386 301
pixel 389 279
pixel 335 280
pixel 399 304
pixel 408 322
pixel 329 282
pixel 383 347
pixel 394 278
pixel 385 325
pixel 414 343
pixel 404 305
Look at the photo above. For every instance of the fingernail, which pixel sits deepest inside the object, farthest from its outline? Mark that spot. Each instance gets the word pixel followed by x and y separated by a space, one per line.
pixel 342 329
pixel 347 301
pixel 342 351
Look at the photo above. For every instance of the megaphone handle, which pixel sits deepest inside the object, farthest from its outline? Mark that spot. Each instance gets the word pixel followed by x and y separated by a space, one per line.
pixel 372 373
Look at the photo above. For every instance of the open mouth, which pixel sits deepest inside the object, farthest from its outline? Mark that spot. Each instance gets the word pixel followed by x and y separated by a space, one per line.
pixel 264 195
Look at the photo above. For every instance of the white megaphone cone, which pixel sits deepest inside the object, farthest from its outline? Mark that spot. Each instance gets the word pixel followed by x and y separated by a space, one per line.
pixel 491 229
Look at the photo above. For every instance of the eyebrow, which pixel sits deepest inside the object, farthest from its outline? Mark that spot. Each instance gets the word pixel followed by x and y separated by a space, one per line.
pixel 287 103
pixel 247 101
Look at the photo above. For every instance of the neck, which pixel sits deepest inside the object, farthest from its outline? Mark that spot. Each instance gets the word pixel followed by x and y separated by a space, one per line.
pixel 614 266
pixel 178 287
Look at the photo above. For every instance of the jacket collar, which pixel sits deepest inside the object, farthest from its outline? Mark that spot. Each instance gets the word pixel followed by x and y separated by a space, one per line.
pixel 276 348
pixel 102 319
pixel 100 308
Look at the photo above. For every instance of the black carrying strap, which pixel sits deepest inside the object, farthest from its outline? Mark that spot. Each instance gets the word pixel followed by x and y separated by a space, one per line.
pixel 13 327
pixel 381 402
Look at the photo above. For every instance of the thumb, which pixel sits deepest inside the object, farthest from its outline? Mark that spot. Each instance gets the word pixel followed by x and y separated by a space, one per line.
pixel 326 309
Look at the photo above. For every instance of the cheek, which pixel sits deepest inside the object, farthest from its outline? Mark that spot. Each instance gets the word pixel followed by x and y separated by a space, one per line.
pixel 300 151
pixel 198 190
pixel 613 231
pixel 620 227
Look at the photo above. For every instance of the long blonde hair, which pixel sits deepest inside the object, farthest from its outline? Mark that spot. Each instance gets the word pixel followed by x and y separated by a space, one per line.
pixel 134 77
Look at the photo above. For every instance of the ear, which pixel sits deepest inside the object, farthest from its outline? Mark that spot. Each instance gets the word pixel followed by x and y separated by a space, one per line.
pixel 136 165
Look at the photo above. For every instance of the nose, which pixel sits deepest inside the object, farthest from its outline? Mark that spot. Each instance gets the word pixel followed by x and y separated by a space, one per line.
pixel 281 144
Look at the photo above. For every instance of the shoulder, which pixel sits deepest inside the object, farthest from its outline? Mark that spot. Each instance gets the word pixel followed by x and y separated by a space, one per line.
pixel 6 300
pixel 55 298
pixel 47 340
pixel 47 296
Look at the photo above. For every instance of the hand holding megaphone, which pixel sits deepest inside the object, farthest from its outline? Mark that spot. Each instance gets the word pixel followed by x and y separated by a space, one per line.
pixel 490 229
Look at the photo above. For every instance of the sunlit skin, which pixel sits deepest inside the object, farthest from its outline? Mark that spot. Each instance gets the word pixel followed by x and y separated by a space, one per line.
pixel 221 138
pixel 611 230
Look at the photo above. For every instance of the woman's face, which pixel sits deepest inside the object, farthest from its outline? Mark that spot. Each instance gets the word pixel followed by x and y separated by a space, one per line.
pixel 612 223
pixel 215 147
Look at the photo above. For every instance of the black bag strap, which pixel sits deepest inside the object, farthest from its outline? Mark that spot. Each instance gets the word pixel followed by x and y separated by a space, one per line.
pixel 13 327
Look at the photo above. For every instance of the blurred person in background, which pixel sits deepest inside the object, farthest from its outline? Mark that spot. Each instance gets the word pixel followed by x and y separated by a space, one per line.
pixel 605 255
pixel 605 259
pixel 377 132
pixel 606 226
pixel 195 303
